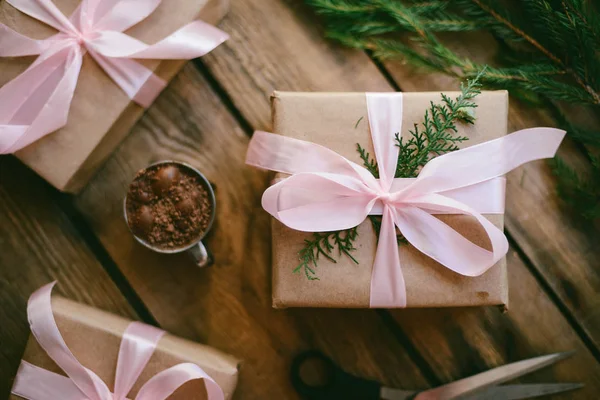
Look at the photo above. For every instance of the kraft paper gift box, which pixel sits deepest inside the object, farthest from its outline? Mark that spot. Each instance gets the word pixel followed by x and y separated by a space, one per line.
pixel 101 114
pixel 94 337
pixel 330 119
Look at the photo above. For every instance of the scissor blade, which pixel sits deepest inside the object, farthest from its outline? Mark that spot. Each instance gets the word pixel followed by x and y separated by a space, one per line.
pixel 526 391
pixel 492 377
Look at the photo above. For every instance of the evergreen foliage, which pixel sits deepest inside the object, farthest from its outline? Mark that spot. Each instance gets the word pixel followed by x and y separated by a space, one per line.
pixel 549 53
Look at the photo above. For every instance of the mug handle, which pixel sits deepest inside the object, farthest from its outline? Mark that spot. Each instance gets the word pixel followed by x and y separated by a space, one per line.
pixel 201 255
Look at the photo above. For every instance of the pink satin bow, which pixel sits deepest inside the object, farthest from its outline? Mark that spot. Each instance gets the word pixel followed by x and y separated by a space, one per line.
pixel 327 192
pixel 138 343
pixel 37 102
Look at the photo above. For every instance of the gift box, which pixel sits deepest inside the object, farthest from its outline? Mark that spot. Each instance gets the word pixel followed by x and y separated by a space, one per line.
pixel 94 337
pixel 101 113
pixel 339 121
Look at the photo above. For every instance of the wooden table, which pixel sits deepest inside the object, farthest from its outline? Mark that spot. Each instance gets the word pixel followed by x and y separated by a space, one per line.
pixel 205 117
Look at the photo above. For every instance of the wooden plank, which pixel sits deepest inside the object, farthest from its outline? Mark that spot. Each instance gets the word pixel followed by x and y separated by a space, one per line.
pixel 284 51
pixel 39 244
pixel 228 306
pixel 462 342
pixel 564 250
pixel 256 61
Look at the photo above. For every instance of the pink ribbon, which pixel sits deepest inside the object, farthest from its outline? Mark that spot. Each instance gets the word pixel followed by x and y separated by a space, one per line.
pixel 327 192
pixel 137 346
pixel 37 101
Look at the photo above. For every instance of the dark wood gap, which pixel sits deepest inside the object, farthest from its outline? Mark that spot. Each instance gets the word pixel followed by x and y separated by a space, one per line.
pixel 586 150
pixel 65 202
pixel 224 96
pixel 383 70
pixel 562 307
pixel 412 352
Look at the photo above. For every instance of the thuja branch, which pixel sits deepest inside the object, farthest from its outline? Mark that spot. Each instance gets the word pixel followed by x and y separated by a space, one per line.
pixel 324 244
pixel 369 163
pixel 436 135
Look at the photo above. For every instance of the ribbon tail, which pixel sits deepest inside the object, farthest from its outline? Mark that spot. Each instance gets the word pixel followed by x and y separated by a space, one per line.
pixel 44 11
pixel 120 15
pixel 388 289
pixel 37 101
pixel 485 161
pixel 13 44
pixel 162 385
pixel 137 346
pixel 44 329
pixel 442 243
pixel 46 69
pixel 193 40
pixel 140 83
pixel 35 383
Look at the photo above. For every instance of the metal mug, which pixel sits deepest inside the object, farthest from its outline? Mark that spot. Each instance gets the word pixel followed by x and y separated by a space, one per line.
pixel 197 250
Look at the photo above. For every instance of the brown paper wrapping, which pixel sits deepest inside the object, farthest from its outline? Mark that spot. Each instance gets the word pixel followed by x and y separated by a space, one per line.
pixel 94 337
pixel 329 119
pixel 101 114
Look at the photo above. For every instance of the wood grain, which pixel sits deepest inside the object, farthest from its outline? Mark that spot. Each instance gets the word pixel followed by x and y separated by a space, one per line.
pixel 241 66
pixel 473 340
pixel 283 51
pixel 39 244
pixel 276 45
pixel 559 245
pixel 229 305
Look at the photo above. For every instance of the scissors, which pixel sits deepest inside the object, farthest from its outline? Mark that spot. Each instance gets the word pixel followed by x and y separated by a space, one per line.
pixel 339 384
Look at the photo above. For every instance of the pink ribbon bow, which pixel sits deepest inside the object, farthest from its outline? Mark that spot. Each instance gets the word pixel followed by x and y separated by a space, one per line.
pixel 326 192
pixel 138 343
pixel 37 101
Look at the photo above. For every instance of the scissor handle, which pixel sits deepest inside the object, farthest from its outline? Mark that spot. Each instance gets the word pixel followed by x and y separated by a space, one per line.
pixel 338 384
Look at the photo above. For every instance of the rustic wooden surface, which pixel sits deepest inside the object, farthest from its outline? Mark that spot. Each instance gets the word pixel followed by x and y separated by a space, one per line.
pixel 205 117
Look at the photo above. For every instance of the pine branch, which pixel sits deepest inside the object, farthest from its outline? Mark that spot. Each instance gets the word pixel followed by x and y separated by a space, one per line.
pixel 555 28
pixel 375 25
pixel 436 137
pixel 548 50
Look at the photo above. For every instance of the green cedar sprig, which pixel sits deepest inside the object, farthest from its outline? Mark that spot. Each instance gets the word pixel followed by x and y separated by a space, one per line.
pixel 369 163
pixel 435 136
pixel 324 244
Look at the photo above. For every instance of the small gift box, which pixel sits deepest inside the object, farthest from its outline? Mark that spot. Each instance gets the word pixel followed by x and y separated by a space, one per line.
pixel 451 252
pixel 79 352
pixel 64 113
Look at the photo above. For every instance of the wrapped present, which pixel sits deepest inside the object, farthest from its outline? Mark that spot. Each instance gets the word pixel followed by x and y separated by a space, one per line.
pixel 450 216
pixel 63 113
pixel 79 352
